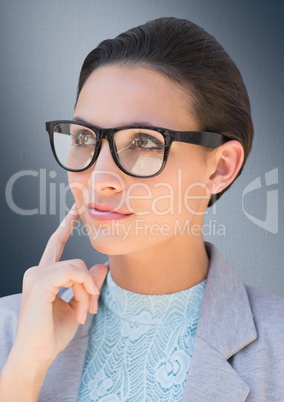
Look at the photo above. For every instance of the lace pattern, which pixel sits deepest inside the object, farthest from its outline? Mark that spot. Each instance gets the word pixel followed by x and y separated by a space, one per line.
pixel 140 346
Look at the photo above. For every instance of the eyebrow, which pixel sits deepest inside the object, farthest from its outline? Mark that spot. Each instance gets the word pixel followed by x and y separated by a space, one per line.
pixel 141 123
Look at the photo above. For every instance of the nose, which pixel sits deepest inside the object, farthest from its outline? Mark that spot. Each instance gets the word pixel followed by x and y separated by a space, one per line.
pixel 106 177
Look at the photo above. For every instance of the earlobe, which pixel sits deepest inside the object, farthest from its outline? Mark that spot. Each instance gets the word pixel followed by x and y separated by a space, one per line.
pixel 227 162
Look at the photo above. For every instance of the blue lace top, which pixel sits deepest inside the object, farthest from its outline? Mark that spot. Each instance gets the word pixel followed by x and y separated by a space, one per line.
pixel 140 346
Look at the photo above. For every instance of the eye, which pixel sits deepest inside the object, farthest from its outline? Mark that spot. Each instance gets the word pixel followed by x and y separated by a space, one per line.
pixel 146 142
pixel 83 137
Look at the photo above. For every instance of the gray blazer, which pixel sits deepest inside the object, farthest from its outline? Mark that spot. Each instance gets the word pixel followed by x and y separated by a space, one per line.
pixel 238 351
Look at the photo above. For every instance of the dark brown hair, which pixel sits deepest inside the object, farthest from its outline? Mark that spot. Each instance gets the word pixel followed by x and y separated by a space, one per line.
pixel 191 57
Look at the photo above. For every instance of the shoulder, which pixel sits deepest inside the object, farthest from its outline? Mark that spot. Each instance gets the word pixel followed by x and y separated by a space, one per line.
pixel 243 322
pixel 268 313
pixel 9 313
pixel 261 362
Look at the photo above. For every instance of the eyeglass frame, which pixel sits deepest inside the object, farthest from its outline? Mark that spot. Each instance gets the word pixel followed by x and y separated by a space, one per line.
pixel 202 138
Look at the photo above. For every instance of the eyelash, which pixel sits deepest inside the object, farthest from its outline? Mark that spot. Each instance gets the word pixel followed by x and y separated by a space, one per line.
pixel 76 137
pixel 156 142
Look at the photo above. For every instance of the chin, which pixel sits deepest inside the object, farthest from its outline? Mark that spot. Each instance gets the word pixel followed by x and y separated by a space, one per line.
pixel 109 244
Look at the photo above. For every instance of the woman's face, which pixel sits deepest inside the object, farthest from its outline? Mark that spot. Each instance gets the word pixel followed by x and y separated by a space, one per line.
pixel 123 214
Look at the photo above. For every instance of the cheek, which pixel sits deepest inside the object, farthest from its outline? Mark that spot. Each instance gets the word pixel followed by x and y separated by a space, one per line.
pixel 185 177
pixel 78 184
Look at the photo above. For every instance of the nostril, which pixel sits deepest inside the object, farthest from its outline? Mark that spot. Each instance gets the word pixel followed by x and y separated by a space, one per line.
pixel 107 188
pixel 106 181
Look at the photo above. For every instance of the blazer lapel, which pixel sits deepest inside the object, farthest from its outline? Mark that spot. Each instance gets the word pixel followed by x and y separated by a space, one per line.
pixel 212 378
pixel 225 327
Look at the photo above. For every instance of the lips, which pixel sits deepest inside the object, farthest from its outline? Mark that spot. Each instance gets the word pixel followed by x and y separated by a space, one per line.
pixel 105 212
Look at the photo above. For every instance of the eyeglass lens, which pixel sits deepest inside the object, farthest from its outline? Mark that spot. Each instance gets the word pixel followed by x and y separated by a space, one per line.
pixel 138 151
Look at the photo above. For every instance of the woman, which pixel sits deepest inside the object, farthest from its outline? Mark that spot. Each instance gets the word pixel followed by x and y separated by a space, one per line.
pixel 161 128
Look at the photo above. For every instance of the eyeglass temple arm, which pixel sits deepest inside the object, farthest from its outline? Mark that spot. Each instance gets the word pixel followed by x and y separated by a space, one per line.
pixel 204 138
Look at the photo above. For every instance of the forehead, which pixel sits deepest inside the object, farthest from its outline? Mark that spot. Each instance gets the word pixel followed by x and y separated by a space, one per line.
pixel 120 95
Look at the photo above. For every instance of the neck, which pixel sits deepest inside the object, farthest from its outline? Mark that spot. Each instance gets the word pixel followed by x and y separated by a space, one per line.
pixel 178 265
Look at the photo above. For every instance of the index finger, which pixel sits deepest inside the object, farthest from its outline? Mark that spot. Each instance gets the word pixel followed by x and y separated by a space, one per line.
pixel 58 239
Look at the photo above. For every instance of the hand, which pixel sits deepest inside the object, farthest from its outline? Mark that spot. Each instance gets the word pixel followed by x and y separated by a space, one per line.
pixel 46 322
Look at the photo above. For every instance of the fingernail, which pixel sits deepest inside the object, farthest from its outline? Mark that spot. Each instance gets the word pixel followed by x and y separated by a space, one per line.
pixel 74 206
pixel 83 317
pixel 95 307
pixel 95 290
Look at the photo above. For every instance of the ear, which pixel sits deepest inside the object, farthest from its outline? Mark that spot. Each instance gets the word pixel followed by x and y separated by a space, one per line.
pixel 226 163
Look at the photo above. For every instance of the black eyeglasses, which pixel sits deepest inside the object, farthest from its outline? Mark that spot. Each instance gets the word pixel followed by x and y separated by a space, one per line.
pixel 137 151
